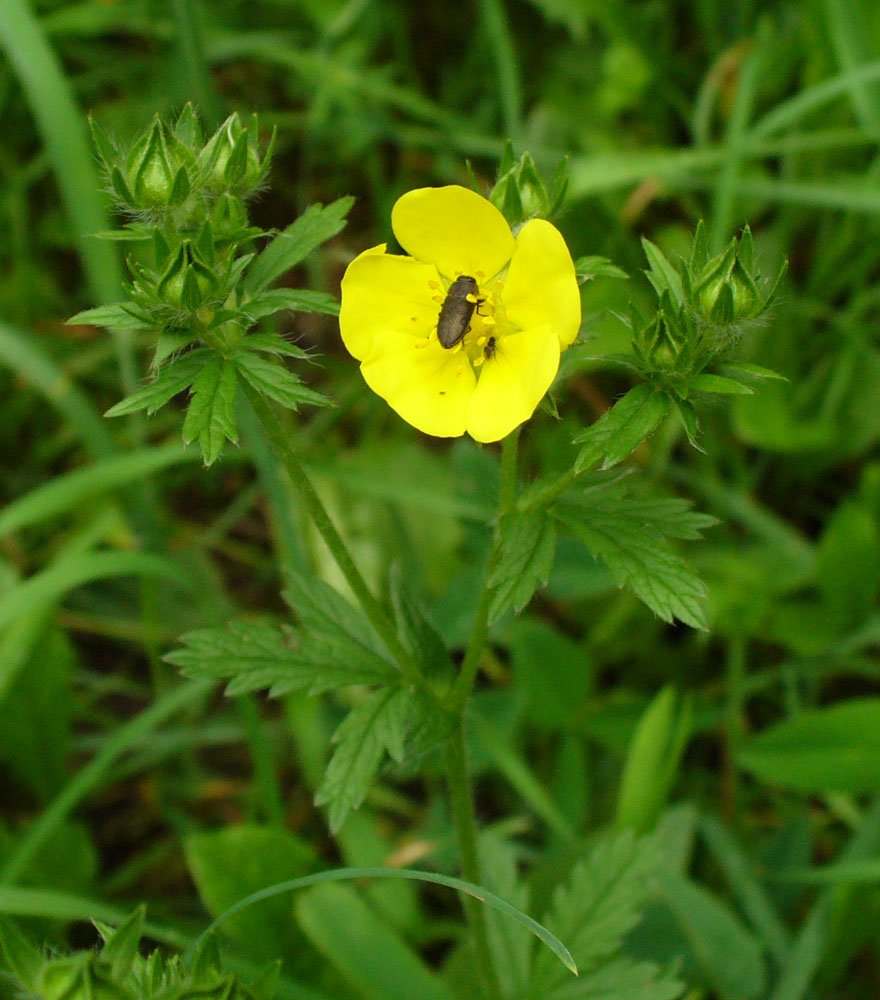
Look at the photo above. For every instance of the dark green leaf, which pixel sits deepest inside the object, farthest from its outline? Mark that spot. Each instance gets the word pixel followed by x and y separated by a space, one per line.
pixel 622 428
pixel 315 226
pixel 588 268
pixel 720 384
pixel 272 379
pixel 274 343
pixel 119 316
pixel 528 544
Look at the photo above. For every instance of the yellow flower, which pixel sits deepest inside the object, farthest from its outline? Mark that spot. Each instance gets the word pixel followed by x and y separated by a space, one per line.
pixel 526 309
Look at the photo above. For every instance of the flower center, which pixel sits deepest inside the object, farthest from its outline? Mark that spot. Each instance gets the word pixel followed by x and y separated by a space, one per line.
pixel 478 342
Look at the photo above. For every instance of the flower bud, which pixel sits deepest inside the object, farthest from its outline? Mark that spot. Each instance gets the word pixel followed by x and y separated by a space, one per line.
pixel 156 171
pixel 231 161
pixel 187 282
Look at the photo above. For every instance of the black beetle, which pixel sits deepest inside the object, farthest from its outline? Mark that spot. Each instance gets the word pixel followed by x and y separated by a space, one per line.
pixel 456 311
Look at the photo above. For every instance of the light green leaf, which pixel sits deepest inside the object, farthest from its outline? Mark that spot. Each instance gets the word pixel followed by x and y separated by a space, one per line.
pixel 622 429
pixel 826 749
pixel 252 656
pixel 662 275
pixel 211 413
pixel 528 543
pixel 314 227
pixel 294 299
pixel 720 384
pixel 274 343
pixel 118 316
pixel 628 536
pixel 588 268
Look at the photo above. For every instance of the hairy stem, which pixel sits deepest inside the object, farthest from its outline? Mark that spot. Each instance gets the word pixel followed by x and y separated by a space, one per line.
pixel 466 834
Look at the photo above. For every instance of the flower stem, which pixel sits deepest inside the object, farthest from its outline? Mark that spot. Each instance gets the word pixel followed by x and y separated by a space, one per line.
pixel 466 835
pixel 318 513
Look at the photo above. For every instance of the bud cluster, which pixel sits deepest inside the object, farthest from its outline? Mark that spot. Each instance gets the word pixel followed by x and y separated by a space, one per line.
pixel 520 192
pixel 119 972
pixel 703 308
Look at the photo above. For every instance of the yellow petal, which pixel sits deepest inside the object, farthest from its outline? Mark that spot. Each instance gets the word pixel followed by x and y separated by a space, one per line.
pixel 382 292
pixel 427 385
pixel 541 285
pixel 453 228
pixel 512 382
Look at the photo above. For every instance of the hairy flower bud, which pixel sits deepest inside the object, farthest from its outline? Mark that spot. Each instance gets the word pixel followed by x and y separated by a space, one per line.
pixel 187 282
pixel 231 161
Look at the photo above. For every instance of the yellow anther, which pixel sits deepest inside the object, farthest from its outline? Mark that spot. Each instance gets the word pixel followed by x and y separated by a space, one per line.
pixel 499 285
pixel 478 361
pixel 481 340
pixel 421 344
pixel 433 283
pixel 414 319
pixel 488 320
pixel 437 298
pixel 479 274
pixel 472 298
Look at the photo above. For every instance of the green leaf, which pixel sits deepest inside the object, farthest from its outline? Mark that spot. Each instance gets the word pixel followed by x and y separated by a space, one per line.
pixel 119 316
pixel 731 956
pixel 622 429
pixel 588 268
pixel 623 979
pixel 719 384
pixel 22 959
pixel 528 545
pixel 826 749
pixel 419 633
pixel 211 413
pixel 229 864
pixel 662 274
pixel 252 656
pixel 172 378
pixel 595 910
pixel 627 534
pixel 295 299
pixel 746 372
pixel 274 343
pixel 272 379
pixel 315 226
pixel 360 746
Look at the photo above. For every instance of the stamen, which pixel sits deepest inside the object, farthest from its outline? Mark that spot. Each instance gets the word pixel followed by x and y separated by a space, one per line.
pixel 437 298
pixel 433 283
pixel 478 361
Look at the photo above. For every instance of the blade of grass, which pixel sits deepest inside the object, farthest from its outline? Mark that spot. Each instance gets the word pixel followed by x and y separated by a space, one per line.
pixel 849 36
pixel 200 88
pixel 498 35
pixel 350 874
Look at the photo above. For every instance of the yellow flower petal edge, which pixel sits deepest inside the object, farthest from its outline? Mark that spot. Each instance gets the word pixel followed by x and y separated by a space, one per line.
pixel 453 228
pixel 541 284
pixel 512 383
pixel 382 292
pixel 424 383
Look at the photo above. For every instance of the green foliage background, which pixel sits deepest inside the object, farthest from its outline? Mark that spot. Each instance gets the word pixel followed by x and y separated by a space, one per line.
pixel 120 784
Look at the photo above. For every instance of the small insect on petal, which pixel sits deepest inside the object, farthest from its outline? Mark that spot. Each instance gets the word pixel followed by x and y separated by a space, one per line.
pixel 457 310
pixel 489 349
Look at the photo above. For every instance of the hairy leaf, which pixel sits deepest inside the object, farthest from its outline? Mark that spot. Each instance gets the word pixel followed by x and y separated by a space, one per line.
pixel 272 379
pixel 211 413
pixel 620 430
pixel 295 299
pixel 172 378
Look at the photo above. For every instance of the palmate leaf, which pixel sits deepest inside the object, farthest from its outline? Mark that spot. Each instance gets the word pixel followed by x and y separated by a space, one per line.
pixel 528 544
pixel 628 535
pixel 211 413
pixel 592 913
pixel 252 656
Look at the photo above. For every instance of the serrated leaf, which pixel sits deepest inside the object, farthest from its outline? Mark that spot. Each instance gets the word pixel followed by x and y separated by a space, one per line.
pixel 620 430
pixel 252 656
pixel 211 413
pixel 274 343
pixel 596 908
pixel 358 754
pixel 324 612
pixel 172 378
pixel 420 634
pixel 719 384
pixel 528 545
pixel 294 299
pixel 272 379
pixel 662 274
pixel 749 372
pixel 118 316
pixel 314 227
pixel 628 536
pixel 392 725
pixel 622 979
